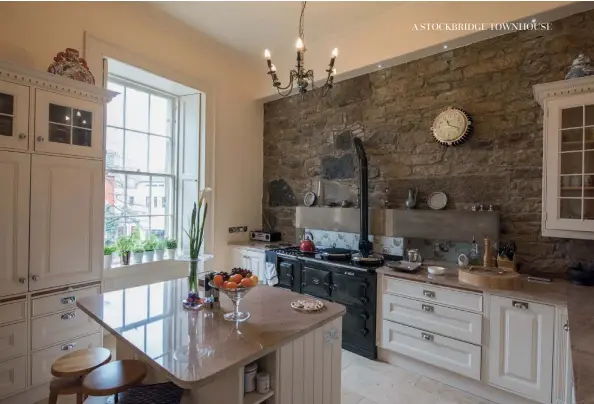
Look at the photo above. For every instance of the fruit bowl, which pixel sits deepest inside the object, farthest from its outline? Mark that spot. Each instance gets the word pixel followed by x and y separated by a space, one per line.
pixel 235 285
pixel 235 294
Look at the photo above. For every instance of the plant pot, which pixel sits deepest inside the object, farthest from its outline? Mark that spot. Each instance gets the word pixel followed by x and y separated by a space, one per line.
pixel 137 258
pixel 159 255
pixel 171 253
pixel 148 256
pixel 125 256
pixel 107 260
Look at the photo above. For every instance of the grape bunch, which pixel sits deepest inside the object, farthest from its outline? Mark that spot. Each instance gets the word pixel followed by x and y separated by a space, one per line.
pixel 243 272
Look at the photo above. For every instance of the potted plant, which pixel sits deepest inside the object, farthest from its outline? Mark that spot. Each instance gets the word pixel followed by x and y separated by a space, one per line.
pixel 124 245
pixel 160 249
pixel 137 252
pixel 108 251
pixel 171 245
pixel 149 248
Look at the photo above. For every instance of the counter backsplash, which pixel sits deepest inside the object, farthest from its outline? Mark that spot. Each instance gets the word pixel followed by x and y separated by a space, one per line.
pixel 429 249
pixel 381 244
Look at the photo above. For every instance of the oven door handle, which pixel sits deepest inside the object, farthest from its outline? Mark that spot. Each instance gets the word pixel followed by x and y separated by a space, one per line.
pixel 363 298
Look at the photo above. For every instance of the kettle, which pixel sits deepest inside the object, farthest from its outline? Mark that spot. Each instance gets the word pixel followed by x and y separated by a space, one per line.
pixel 306 244
pixel 414 255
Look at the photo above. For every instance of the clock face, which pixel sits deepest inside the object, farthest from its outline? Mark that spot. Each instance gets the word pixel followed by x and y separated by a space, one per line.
pixel 450 126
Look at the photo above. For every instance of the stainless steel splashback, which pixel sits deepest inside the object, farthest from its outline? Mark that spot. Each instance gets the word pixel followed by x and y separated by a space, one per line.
pixel 452 225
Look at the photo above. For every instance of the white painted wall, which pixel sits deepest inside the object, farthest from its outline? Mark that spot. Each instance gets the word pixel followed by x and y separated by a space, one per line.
pixel 140 34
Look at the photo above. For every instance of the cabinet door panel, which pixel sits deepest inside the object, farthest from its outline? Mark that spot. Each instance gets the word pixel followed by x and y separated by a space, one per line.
pixel 14 115
pixel 67 212
pixel 521 347
pixel 13 376
pixel 14 222
pixel 67 125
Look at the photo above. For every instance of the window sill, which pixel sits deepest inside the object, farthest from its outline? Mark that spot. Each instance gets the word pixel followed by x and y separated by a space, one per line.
pixel 173 266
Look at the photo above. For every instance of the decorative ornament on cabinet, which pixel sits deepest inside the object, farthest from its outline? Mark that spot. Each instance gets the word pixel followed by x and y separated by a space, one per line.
pixel 70 64
pixel 452 127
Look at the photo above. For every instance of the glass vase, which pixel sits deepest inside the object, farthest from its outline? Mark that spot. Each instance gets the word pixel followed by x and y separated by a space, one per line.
pixel 193 277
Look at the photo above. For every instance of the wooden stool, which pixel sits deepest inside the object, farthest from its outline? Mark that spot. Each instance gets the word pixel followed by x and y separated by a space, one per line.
pixel 70 368
pixel 113 379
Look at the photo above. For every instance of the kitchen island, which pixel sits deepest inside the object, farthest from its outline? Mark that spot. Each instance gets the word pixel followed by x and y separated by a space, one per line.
pixel 206 355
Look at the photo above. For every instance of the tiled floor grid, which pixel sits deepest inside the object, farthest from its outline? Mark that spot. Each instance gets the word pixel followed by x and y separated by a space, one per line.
pixel 369 382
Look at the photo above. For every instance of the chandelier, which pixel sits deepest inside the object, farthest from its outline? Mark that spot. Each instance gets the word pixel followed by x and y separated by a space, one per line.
pixel 299 77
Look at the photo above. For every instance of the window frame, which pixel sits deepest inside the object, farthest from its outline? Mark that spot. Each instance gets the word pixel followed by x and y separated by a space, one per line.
pixel 173 175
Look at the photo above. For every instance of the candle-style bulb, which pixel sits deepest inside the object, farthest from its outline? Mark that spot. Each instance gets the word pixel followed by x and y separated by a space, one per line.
pixel 273 68
pixel 267 54
pixel 334 71
pixel 299 44
pixel 335 52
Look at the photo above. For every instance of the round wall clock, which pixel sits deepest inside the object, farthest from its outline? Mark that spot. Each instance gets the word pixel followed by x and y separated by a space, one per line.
pixel 452 127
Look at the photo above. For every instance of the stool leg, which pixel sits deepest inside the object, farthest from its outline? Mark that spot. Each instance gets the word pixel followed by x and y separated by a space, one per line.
pixel 116 399
pixel 79 398
pixel 53 397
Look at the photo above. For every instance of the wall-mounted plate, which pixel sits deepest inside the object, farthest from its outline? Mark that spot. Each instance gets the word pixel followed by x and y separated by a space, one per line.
pixel 437 200
pixel 309 199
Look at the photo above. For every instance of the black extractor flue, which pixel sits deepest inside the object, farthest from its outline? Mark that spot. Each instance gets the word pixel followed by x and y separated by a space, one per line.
pixel 365 255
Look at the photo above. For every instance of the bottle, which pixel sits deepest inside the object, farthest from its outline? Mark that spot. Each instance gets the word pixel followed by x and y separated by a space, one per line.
pixel 474 256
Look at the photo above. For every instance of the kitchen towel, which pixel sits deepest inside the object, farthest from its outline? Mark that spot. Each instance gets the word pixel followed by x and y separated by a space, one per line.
pixel 270 274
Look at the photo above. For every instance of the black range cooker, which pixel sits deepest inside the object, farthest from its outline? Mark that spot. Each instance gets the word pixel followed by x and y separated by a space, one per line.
pixel 333 277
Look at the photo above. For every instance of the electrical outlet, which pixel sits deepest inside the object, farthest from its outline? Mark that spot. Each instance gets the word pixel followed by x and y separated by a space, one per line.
pixel 238 229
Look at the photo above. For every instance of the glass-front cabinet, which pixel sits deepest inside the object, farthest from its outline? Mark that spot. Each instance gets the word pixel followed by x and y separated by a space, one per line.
pixel 568 188
pixel 66 125
pixel 14 115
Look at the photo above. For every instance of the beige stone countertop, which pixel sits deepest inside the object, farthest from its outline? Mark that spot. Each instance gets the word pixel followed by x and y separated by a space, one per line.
pixel 164 337
pixel 580 308
pixel 259 245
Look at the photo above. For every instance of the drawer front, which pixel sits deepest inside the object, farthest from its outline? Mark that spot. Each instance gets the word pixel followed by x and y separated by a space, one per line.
pixel 454 323
pixel 423 291
pixel 13 376
pixel 12 312
pixel 450 354
pixel 13 340
pixel 63 301
pixel 52 329
pixel 41 361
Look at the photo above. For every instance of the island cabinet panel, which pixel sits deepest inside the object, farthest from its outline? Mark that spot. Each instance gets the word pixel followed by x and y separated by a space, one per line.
pixel 310 367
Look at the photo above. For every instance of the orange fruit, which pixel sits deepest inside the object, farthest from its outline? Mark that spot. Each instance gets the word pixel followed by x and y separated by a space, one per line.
pixel 225 283
pixel 254 279
pixel 236 278
pixel 218 280
pixel 231 285
pixel 247 283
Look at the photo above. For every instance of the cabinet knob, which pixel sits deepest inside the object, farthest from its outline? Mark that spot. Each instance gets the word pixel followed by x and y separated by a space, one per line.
pixel 35 277
pixel 22 136
pixel 22 280
pixel 566 327
pixel 429 293
pixel 40 138
pixel 427 308
pixel 68 347
pixel 68 316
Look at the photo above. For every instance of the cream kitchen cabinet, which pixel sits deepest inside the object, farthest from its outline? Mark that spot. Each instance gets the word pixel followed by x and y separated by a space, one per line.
pixel 521 347
pixel 568 130
pixel 67 125
pixel 14 115
pixel 14 222
pixel 251 259
pixel 67 217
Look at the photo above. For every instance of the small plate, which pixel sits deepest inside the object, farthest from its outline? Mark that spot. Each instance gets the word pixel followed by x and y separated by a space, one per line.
pixel 308 305
pixel 309 199
pixel 437 200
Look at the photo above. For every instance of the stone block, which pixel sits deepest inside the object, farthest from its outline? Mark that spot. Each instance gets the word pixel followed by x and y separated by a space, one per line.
pixel 336 168
pixel 280 193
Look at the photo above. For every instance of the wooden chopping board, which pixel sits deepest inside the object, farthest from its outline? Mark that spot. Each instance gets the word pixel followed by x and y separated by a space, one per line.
pixel 490 278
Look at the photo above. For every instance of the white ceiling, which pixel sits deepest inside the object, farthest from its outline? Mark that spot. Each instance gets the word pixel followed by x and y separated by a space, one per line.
pixel 367 33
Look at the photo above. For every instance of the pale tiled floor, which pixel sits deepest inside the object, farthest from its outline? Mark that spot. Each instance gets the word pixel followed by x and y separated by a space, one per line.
pixel 370 382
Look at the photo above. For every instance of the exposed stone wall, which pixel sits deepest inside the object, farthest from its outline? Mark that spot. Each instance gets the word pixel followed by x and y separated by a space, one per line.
pixel 393 109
